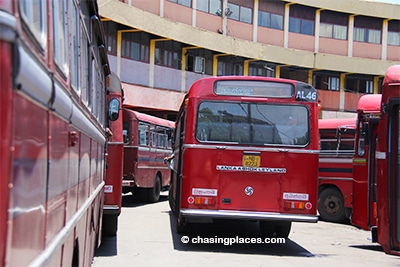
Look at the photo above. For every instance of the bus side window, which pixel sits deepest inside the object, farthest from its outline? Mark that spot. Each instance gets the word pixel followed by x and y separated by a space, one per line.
pixel 143 134
pixel 126 133
pixel 361 138
pixel 153 136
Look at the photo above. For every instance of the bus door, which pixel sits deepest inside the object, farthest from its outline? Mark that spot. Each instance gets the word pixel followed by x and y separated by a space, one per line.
pixel 364 175
pixel 394 180
pixel 389 182
pixel 176 165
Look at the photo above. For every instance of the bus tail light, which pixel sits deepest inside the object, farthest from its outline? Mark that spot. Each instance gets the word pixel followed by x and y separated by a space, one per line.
pixel 374 210
pixel 295 205
pixel 204 200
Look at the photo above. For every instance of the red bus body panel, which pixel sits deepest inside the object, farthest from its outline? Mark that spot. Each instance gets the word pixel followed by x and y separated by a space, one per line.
pixel 388 164
pixel 5 137
pixel 142 163
pixel 363 212
pixel 52 142
pixel 115 154
pixel 240 193
pixel 335 166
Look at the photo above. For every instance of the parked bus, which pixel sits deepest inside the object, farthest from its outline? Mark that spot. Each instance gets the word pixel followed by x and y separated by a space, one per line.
pixel 388 164
pixel 246 148
pixel 335 171
pixel 53 90
pixel 364 165
pixel 147 141
pixel 115 158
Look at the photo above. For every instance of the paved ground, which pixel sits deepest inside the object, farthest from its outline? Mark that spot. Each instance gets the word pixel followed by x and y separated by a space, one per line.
pixel 147 237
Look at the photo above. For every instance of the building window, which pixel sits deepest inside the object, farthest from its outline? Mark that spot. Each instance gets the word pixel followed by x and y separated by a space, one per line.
pixel 326 82
pixel 240 13
pixel 301 19
pixel 333 25
pixel 135 45
pixel 394 32
pixel 367 29
pixel 367 35
pixel 187 3
pixel 301 26
pixel 230 66
pixel 360 84
pixel 333 31
pixel 270 20
pixel 333 83
pixel 261 69
pixel 167 54
pixel 276 21
pixel 209 6
pixel 270 14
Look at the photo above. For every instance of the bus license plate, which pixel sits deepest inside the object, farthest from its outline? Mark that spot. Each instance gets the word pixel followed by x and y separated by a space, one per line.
pixel 251 161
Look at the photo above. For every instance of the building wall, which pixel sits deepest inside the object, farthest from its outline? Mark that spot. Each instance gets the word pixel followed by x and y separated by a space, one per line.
pixel 177 13
pixel 182 32
pixel 367 50
pixel 301 41
pixel 226 36
pixel 333 46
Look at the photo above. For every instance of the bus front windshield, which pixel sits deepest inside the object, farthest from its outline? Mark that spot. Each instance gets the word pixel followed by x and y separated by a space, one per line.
pixel 252 123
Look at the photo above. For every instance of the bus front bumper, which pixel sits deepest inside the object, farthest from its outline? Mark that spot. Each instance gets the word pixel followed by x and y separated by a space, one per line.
pixel 204 215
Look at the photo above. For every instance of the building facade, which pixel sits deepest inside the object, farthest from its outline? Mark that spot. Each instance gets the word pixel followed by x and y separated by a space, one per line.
pixel 160 47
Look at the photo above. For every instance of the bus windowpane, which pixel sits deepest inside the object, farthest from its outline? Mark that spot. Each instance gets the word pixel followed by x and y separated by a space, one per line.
pixel 252 123
pixel 143 134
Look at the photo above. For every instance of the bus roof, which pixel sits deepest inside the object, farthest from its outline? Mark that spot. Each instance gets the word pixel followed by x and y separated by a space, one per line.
pixel 151 119
pixel 204 87
pixel 392 74
pixel 337 122
pixel 370 103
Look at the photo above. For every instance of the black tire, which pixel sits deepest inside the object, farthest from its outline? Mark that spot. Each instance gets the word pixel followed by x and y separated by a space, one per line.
pixel 331 205
pixel 110 225
pixel 153 194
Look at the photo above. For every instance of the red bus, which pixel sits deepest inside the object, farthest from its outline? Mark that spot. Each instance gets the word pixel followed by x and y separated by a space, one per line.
pixel 335 171
pixel 52 102
pixel 115 157
pixel 246 148
pixel 147 141
pixel 364 168
pixel 388 164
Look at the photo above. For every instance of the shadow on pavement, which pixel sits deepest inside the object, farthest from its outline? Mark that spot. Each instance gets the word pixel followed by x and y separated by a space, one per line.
pixel 135 200
pixel 368 247
pixel 108 247
pixel 226 230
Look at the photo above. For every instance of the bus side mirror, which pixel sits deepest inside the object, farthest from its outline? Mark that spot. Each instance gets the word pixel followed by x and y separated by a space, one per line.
pixel 170 163
pixel 113 109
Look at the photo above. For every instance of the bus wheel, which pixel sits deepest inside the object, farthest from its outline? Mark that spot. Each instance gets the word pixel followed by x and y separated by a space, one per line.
pixel 153 194
pixel 331 205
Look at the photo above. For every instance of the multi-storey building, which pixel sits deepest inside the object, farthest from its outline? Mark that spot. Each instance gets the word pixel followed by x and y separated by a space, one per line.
pixel 341 47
